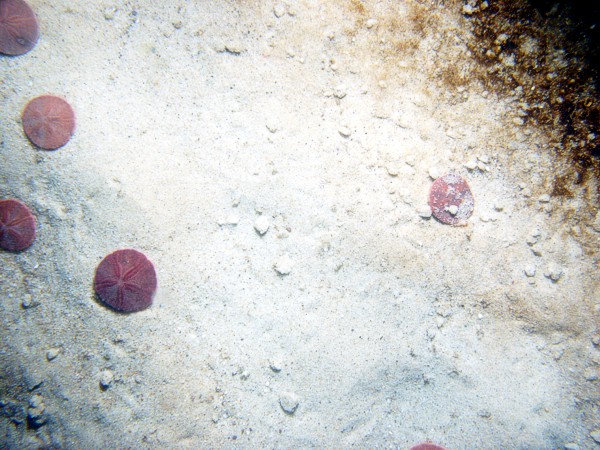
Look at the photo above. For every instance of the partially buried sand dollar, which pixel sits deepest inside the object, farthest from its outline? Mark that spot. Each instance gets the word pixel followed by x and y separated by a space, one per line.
pixel 19 29
pixel 17 225
pixel 427 446
pixel 126 281
pixel 451 200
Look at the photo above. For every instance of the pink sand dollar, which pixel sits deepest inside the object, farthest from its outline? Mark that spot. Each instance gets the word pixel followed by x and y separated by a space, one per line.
pixel 48 121
pixel 18 27
pixel 427 446
pixel 451 200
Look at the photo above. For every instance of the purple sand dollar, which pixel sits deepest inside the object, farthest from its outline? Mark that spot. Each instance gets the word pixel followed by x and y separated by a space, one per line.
pixel 126 281
pixel 17 225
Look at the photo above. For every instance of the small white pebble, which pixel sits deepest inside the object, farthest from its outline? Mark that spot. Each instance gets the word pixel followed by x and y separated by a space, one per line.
pixel 534 237
pixel 371 23
pixel 471 164
pixel 106 379
pixel 275 366
pixel 340 91
pixel 392 170
pixel 544 198
pixel 404 194
pixel 468 9
pixel 234 47
pixel 231 219
pixel 36 401
pixel 499 206
pixel 283 266
pixel 431 333
pixel 109 12
pixel 36 412
pixel 344 131
pixel 289 402
pixel 434 173
pixel 52 353
pixel 261 225
pixel 27 302
pixel 424 211
pixel 452 209
pixel 591 373
pixel 553 272
pixel 484 159
pixel 279 10
pixel 451 133
pixel 530 270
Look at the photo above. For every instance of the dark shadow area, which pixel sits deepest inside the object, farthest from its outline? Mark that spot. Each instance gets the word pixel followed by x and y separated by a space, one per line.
pixel 547 53
pixel 584 16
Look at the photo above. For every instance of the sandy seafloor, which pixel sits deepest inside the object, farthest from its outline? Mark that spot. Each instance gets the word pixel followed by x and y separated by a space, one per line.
pixel 194 119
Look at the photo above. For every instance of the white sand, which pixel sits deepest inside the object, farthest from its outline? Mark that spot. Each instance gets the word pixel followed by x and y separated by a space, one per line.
pixel 388 330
